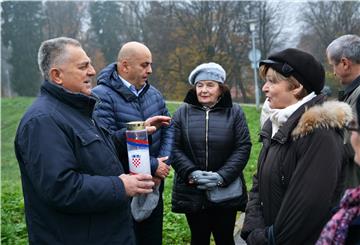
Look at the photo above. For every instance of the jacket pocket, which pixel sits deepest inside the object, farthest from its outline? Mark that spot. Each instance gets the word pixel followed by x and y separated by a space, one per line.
pixel 94 156
pixel 86 138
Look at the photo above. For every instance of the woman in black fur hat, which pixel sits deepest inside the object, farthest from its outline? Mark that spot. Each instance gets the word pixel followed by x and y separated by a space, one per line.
pixel 298 175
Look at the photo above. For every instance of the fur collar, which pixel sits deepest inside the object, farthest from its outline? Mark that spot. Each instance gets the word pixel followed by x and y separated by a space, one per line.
pixel 330 114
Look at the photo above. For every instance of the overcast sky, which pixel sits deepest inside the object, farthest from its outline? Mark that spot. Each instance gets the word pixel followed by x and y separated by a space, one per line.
pixel 292 26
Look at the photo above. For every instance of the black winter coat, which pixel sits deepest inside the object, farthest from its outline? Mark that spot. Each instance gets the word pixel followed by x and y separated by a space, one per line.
pixel 226 152
pixel 69 171
pixel 298 180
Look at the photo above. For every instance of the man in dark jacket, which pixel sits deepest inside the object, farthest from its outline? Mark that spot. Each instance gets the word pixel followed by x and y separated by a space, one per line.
pixel 74 186
pixel 127 96
pixel 344 55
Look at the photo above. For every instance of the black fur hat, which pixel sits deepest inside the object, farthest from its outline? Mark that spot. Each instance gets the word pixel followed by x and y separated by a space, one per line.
pixel 303 66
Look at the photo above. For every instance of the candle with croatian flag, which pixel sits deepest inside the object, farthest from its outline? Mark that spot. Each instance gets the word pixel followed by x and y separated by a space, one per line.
pixel 138 148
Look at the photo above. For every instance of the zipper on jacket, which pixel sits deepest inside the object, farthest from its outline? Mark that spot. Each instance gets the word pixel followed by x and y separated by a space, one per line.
pixel 207 139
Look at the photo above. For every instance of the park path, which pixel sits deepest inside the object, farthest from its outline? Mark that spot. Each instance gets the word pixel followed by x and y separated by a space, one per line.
pixel 238 225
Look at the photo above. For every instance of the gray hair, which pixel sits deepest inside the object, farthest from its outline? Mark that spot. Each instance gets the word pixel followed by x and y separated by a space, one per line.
pixel 52 52
pixel 347 46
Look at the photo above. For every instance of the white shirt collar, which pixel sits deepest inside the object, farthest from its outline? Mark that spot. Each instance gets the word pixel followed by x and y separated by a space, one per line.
pixel 132 87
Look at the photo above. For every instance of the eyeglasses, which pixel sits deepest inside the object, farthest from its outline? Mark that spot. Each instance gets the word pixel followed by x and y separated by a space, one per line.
pixel 352 126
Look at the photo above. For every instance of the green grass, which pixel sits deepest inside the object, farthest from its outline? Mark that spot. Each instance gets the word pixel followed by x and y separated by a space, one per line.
pixel 253 120
pixel 13 228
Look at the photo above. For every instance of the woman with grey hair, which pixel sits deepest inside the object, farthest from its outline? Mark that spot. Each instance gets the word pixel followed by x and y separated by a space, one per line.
pixel 211 149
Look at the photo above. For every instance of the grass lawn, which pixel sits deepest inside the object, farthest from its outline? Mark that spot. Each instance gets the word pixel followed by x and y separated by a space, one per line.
pixel 13 228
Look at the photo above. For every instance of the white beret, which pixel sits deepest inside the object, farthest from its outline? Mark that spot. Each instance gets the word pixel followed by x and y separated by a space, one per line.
pixel 208 71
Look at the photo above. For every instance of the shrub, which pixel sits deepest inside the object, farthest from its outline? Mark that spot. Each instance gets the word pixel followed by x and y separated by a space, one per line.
pixel 13 228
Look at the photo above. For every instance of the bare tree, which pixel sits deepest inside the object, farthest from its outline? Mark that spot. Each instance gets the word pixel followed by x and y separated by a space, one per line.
pixel 6 90
pixel 186 34
pixel 64 18
pixel 22 25
pixel 271 24
pixel 133 14
pixel 211 31
pixel 324 21
pixel 105 32
pixel 180 34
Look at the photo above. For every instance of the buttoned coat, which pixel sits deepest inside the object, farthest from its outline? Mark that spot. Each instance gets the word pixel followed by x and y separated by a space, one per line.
pixel 69 171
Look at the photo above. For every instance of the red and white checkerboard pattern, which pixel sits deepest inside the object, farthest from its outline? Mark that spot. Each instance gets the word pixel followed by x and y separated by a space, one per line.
pixel 136 160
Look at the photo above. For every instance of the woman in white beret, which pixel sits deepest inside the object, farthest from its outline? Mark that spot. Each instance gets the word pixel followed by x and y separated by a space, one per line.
pixel 211 149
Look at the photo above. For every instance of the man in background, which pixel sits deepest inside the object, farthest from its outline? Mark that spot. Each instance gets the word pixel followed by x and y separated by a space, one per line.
pixel 344 56
pixel 126 95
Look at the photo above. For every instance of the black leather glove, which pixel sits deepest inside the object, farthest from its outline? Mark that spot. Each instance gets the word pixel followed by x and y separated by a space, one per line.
pixel 257 237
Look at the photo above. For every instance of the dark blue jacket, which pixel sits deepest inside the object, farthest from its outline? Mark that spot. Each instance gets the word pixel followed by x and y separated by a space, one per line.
pixel 69 172
pixel 119 105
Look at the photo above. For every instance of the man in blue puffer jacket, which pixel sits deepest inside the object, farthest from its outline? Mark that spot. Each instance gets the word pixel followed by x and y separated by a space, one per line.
pixel 127 96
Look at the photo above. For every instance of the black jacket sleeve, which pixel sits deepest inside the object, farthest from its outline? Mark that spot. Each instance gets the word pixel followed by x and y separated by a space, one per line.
pixel 238 159
pixel 306 205
pixel 254 217
pixel 180 161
